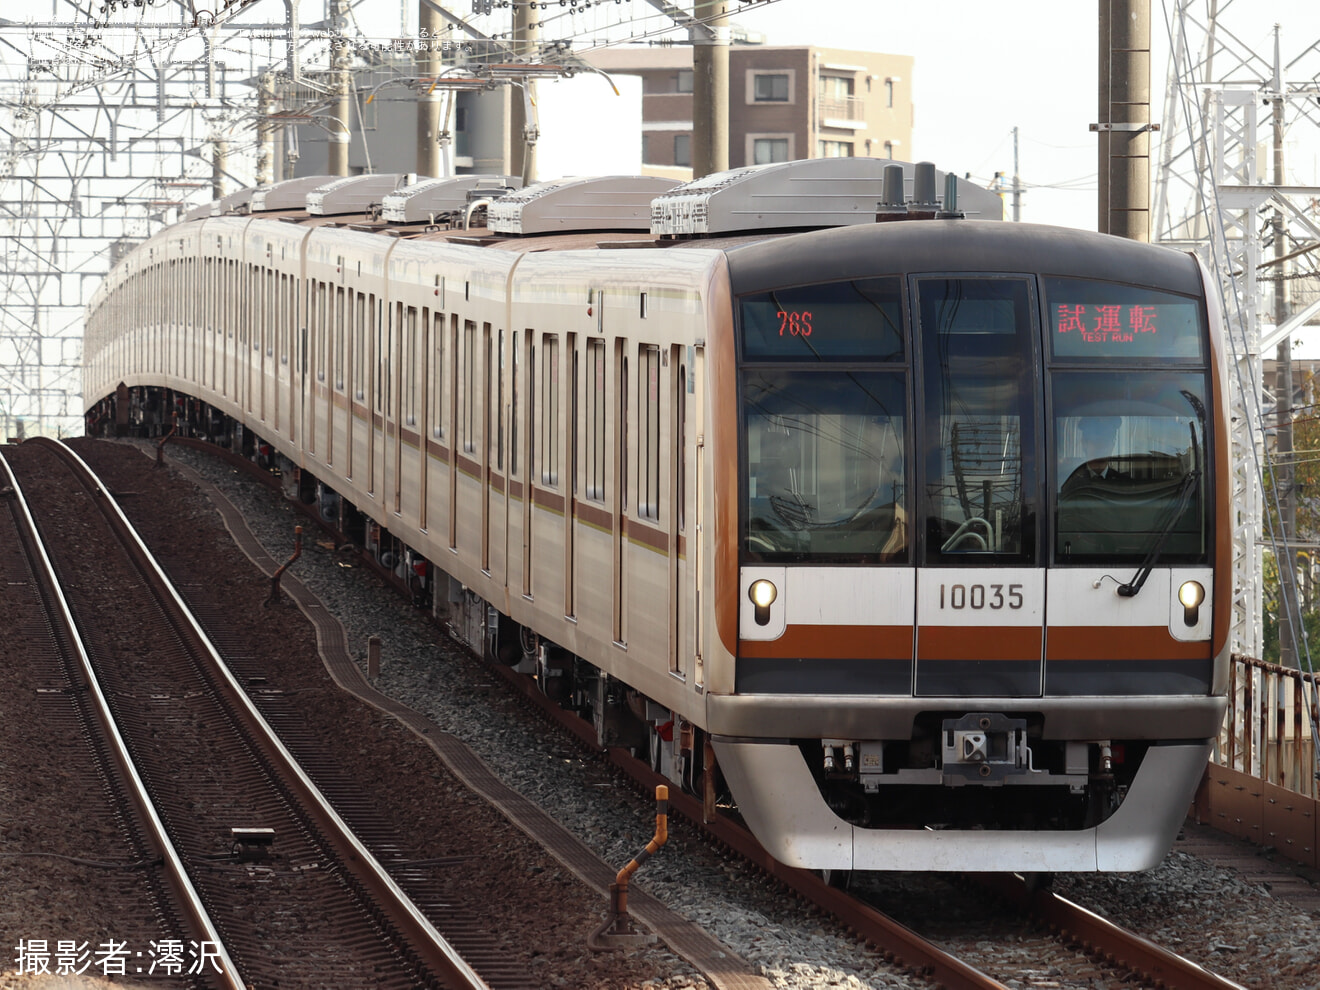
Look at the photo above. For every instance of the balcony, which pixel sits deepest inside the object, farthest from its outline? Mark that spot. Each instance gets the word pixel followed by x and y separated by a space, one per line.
pixel 847 112
pixel 841 111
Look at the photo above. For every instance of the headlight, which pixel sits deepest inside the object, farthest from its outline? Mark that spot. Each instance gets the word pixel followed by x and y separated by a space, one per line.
pixel 763 594
pixel 1191 594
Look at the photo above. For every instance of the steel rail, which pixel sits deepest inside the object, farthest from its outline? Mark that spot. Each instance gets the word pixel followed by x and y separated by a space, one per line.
pixel 431 947
pixel 898 943
pixel 175 874
pixel 1116 945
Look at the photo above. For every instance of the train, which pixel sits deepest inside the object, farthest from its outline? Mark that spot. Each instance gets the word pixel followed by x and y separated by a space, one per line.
pixel 899 531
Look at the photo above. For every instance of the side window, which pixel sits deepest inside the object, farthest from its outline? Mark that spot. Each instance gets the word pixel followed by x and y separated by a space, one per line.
pixel 595 410
pixel 408 368
pixel 550 410
pixel 341 338
pixel 648 431
pixel 497 438
pixel 513 413
pixel 438 376
pixel 359 353
pixel 321 322
pixel 469 385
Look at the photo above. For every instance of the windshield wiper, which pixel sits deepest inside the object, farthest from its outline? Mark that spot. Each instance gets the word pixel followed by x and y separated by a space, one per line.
pixel 1189 484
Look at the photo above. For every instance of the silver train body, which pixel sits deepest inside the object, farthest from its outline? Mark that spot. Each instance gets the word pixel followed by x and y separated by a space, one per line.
pixel 800 500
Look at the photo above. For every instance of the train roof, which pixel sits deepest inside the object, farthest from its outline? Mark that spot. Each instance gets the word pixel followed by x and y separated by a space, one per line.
pixel 957 246
pixel 776 197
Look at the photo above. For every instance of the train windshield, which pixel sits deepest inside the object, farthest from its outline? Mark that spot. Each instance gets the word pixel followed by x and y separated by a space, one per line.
pixel 1130 467
pixel 826 465
pixel 976 340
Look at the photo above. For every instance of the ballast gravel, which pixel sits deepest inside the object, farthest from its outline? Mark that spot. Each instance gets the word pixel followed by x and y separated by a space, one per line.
pixel 1212 915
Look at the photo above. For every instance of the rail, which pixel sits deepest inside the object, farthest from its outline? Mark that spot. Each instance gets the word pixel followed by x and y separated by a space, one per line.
pixel 422 937
pixel 186 895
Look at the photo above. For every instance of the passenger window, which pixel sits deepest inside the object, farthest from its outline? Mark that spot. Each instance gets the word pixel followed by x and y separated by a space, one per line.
pixel 826 465
pixel 1130 466
pixel 976 339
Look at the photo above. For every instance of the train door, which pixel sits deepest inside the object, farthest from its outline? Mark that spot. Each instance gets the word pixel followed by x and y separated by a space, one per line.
pixel 571 486
pixel 428 373
pixel 238 294
pixel 980 595
pixel 335 379
pixel 696 387
pixel 497 561
pixel 455 431
pixel 512 487
pixel 312 358
pixel 677 509
pixel 529 462
pixel 392 449
pixel 380 418
pixel 372 389
pixel 485 440
pixel 620 488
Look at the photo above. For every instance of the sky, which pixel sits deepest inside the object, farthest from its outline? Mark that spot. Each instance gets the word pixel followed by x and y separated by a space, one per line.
pixel 981 70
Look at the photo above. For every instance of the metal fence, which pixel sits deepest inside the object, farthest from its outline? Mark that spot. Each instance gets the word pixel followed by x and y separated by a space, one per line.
pixel 1269 732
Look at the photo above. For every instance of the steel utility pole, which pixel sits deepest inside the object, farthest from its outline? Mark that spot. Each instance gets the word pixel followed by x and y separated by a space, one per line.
pixel 522 125
pixel 1124 124
pixel 710 88
pixel 430 23
pixel 341 61
pixel 1017 181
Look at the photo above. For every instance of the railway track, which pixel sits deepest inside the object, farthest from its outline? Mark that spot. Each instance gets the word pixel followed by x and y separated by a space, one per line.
pixel 1122 953
pixel 120 839
pixel 1091 936
pixel 1127 953
pixel 293 895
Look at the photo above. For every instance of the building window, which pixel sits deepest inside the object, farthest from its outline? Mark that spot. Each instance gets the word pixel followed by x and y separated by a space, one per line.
pixel 836 87
pixel 646 148
pixel 767 88
pixel 683 149
pixel 766 150
pixel 460 119
pixel 684 81
pixel 889 149
pixel 834 149
pixel 889 92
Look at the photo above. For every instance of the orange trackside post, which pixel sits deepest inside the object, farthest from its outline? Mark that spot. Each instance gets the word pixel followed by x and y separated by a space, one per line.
pixel 619 930
pixel 275 578
pixel 160 444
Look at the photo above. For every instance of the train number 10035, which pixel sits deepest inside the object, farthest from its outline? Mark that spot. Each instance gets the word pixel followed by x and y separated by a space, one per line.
pixel 978 596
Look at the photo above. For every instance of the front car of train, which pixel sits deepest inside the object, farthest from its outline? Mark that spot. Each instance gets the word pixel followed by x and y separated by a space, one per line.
pixel 979 617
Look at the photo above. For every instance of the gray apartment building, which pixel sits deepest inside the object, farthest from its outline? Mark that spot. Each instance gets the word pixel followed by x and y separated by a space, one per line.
pixel 785 103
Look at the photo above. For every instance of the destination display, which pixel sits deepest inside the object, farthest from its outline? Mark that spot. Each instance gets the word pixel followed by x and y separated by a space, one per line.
pixel 856 320
pixel 1102 319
